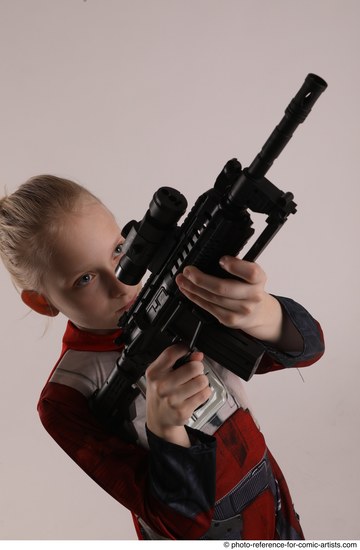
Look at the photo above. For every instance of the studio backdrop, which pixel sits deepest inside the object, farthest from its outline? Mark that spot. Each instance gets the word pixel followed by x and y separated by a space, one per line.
pixel 126 96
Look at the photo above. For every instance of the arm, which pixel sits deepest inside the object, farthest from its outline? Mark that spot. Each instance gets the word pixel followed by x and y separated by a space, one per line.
pixel 135 477
pixel 312 340
pixel 286 329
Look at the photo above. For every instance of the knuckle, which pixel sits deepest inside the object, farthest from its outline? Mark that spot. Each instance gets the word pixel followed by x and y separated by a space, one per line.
pixel 194 277
pixel 160 389
pixel 230 318
pixel 205 394
pixel 195 368
pixel 255 273
pixel 168 354
pixel 252 273
pixel 200 383
pixel 172 404
pixel 246 309
pixel 257 296
pixel 259 275
pixel 150 374
pixel 221 287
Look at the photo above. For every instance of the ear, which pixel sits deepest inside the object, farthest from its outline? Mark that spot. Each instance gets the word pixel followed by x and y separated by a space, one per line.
pixel 38 303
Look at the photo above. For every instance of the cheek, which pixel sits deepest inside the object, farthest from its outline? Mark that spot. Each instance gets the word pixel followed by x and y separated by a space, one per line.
pixel 78 303
pixel 88 301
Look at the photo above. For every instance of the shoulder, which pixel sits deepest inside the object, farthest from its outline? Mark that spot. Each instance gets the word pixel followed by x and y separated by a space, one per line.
pixel 86 360
pixel 84 371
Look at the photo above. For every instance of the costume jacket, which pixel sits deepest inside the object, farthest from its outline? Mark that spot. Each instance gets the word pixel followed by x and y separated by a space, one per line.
pixel 226 485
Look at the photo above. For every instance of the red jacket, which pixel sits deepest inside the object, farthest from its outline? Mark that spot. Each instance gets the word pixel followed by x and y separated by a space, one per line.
pixel 226 485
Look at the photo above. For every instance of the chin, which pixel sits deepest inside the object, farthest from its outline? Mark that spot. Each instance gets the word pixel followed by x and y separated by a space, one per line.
pixel 100 328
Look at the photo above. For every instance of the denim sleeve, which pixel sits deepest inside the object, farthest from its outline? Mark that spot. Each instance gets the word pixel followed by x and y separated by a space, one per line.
pixel 312 336
pixel 184 478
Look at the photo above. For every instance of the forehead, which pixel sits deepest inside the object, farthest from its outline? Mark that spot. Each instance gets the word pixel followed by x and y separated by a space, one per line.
pixel 84 236
pixel 87 219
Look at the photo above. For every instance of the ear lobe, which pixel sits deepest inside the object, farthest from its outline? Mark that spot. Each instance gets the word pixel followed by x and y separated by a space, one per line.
pixel 38 303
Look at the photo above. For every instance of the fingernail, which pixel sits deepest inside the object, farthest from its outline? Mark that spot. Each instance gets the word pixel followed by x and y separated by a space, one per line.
pixel 222 261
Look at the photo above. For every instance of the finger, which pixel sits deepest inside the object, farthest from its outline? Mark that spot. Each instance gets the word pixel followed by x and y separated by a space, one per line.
pixel 189 390
pixel 183 375
pixel 225 292
pixel 168 357
pixel 195 281
pixel 198 399
pixel 231 317
pixel 250 272
pixel 182 409
pixel 189 356
pixel 243 271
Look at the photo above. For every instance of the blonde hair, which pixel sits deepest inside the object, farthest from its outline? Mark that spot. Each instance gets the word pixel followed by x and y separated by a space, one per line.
pixel 29 221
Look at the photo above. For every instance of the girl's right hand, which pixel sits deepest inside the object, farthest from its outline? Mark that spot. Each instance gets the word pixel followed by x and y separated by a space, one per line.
pixel 173 395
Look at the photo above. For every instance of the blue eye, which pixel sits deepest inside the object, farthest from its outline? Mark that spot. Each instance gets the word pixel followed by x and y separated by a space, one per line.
pixel 118 250
pixel 84 280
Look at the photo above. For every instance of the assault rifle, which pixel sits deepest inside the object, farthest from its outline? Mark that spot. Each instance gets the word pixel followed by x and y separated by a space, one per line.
pixel 218 224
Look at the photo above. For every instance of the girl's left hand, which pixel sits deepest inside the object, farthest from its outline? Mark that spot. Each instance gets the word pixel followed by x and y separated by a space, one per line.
pixel 240 303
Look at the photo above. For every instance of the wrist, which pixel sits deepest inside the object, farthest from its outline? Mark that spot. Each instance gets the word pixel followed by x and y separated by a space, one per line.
pixel 281 332
pixel 173 434
pixel 272 327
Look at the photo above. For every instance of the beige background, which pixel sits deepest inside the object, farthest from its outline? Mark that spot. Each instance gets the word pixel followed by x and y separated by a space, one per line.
pixel 125 96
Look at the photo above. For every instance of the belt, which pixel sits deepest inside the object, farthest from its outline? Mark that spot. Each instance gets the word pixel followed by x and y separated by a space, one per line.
pixel 227 519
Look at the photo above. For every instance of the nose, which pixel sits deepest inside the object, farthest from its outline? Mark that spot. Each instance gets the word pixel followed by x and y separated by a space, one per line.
pixel 116 287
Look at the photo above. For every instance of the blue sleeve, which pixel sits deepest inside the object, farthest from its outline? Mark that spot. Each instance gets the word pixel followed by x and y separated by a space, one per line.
pixel 184 477
pixel 312 336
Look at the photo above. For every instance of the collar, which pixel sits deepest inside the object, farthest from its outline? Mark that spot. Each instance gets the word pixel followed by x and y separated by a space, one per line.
pixel 81 340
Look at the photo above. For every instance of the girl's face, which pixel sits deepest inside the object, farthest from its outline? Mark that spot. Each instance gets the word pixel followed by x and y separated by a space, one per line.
pixel 81 281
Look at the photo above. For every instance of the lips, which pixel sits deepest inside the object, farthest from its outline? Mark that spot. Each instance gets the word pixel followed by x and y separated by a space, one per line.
pixel 128 306
pixel 131 303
